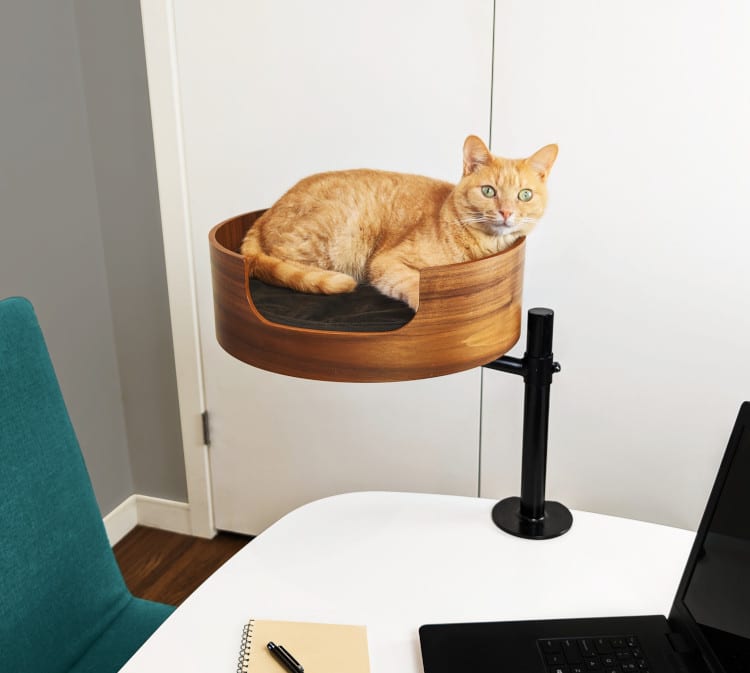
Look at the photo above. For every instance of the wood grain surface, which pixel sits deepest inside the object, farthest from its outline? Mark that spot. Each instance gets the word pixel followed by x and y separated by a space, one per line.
pixel 469 314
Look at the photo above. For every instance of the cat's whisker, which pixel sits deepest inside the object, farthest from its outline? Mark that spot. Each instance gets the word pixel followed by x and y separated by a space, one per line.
pixel 475 218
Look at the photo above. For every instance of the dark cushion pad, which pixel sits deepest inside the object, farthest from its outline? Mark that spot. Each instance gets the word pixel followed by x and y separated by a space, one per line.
pixel 364 310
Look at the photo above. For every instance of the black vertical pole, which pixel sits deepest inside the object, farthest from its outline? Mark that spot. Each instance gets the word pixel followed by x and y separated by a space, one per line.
pixel 531 516
pixel 538 379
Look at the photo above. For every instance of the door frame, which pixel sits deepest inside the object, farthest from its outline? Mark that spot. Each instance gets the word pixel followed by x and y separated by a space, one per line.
pixel 166 117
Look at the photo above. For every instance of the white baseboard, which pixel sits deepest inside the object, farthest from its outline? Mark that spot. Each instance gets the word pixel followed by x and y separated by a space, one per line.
pixel 165 514
pixel 121 520
pixel 145 510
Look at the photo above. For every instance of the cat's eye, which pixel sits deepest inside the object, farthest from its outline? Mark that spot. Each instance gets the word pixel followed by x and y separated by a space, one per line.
pixel 525 195
pixel 488 191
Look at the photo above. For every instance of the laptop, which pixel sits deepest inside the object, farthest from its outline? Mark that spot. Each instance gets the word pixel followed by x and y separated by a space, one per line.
pixel 708 629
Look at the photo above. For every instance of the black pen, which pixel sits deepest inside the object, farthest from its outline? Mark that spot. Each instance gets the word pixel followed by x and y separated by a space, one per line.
pixel 285 658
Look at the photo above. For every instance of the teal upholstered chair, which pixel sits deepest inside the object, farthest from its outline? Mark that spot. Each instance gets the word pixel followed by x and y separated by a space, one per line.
pixel 63 603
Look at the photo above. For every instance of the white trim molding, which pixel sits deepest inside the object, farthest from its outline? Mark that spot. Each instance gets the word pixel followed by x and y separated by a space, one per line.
pixel 166 120
pixel 145 510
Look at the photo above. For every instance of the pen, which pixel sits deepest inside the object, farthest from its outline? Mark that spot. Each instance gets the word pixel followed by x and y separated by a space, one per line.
pixel 285 658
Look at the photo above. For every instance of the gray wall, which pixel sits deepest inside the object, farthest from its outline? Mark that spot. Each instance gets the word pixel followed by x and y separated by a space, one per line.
pixel 80 234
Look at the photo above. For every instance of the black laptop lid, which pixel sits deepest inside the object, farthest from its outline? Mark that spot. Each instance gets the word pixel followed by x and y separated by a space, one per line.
pixel 712 605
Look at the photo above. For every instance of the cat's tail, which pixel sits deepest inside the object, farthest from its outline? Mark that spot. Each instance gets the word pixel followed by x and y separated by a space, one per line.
pixel 294 275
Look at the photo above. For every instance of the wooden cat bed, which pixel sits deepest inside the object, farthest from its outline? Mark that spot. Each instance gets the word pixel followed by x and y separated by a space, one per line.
pixel 469 314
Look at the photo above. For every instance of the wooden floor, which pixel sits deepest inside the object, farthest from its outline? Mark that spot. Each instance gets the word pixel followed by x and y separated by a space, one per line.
pixel 168 567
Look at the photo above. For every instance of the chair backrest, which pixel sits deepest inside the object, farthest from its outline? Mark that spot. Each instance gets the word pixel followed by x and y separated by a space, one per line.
pixel 60 585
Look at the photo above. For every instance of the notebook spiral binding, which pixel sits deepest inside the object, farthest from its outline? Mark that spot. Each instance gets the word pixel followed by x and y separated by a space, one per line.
pixel 244 659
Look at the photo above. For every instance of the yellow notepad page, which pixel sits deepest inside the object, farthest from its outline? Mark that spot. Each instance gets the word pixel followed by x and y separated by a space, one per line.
pixel 319 648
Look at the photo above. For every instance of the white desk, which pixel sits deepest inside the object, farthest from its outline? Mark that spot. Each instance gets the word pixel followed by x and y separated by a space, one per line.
pixel 394 561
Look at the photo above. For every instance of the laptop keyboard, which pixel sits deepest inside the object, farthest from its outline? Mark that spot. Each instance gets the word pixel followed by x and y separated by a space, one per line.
pixel 619 654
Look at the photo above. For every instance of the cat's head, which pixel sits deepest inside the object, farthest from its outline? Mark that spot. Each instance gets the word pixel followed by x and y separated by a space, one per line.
pixel 502 196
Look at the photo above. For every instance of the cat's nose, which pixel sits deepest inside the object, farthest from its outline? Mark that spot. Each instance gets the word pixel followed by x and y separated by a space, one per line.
pixel 506 214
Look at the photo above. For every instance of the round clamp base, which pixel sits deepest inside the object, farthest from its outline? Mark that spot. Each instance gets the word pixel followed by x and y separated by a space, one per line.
pixel 557 520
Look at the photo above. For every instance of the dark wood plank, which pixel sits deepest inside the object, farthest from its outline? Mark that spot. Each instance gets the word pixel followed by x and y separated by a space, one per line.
pixel 167 567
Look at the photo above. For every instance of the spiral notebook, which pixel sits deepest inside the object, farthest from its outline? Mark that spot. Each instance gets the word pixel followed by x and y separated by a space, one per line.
pixel 319 648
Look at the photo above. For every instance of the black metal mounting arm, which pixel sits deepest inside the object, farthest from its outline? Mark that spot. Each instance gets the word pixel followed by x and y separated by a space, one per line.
pixel 531 516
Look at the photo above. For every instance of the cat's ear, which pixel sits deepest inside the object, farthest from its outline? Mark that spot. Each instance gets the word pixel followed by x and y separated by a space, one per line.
pixel 476 154
pixel 541 161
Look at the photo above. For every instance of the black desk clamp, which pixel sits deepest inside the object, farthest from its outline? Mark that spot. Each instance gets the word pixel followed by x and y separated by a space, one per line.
pixel 530 516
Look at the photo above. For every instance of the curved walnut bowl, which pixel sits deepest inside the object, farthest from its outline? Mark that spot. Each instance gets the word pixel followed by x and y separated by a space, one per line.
pixel 469 314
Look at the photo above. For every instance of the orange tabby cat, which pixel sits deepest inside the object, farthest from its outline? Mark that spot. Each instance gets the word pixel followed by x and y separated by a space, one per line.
pixel 333 230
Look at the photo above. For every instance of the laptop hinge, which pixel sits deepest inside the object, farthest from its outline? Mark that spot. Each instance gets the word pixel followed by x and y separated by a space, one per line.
pixel 681 645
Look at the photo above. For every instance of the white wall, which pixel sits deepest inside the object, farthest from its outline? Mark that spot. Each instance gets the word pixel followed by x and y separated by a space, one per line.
pixel 643 253
pixel 50 231
pixel 113 68
pixel 80 233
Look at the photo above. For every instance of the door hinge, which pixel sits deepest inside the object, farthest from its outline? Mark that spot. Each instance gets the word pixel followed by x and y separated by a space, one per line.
pixel 206 429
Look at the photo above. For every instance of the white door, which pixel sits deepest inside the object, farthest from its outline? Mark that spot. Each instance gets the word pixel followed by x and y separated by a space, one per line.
pixel 270 92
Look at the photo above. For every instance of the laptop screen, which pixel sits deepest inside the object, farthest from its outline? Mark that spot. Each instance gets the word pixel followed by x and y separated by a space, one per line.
pixel 717 592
